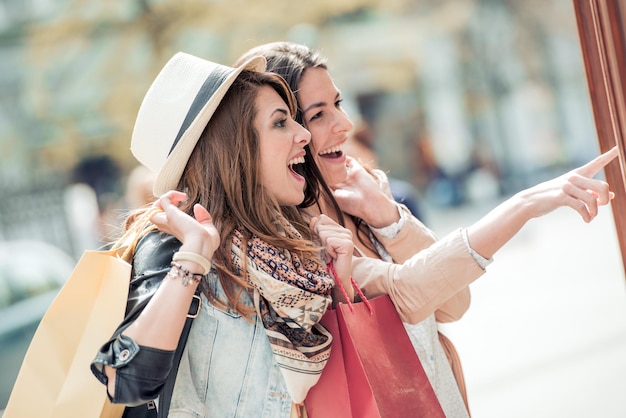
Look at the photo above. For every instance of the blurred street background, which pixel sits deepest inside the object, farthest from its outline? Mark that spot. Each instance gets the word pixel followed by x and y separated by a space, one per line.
pixel 462 102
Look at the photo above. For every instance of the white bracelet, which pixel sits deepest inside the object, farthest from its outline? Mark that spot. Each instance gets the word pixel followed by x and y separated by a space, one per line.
pixel 194 258
pixel 390 231
pixel 480 260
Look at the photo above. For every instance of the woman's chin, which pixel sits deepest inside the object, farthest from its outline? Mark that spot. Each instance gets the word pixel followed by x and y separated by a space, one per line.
pixel 292 200
pixel 335 177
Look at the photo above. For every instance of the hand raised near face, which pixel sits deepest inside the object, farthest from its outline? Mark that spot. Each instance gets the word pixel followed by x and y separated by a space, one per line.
pixel 197 233
pixel 366 194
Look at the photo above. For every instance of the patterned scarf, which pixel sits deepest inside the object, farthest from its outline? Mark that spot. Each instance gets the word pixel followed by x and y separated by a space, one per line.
pixel 290 296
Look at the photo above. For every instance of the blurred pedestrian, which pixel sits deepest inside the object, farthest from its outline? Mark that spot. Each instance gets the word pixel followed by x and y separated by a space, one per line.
pixel 139 185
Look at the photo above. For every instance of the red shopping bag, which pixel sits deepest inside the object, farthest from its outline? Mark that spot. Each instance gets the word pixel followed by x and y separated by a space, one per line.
pixel 330 397
pixel 373 370
pixel 385 377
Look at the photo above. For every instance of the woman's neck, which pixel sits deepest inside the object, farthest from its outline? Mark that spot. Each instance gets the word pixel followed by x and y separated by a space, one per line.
pixel 327 208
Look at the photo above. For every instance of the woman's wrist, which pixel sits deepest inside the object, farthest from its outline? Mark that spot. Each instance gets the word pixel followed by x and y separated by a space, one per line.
pixel 189 267
pixel 392 229
pixel 194 258
pixel 180 272
pixel 202 248
pixel 383 213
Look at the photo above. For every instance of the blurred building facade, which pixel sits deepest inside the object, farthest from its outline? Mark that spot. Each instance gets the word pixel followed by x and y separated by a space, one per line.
pixel 468 98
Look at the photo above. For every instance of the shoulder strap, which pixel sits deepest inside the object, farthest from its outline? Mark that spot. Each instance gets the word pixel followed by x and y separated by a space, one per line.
pixel 455 365
pixel 166 393
pixel 148 410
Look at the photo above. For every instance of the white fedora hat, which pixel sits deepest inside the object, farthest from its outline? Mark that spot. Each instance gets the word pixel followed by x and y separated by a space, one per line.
pixel 175 111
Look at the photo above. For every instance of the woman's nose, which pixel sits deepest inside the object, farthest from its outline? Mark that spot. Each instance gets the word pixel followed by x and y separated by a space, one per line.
pixel 342 122
pixel 303 136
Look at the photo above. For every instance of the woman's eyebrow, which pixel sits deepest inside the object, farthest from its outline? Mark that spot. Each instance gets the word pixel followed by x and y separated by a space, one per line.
pixel 280 110
pixel 321 104
pixel 318 104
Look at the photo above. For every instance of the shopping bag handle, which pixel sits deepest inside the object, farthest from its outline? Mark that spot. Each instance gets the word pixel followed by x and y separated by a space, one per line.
pixel 331 269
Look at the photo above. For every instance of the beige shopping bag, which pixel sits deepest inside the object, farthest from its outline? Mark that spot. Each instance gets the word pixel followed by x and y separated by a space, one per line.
pixel 55 379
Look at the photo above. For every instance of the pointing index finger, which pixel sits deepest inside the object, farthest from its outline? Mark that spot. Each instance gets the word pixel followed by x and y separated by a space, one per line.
pixel 592 167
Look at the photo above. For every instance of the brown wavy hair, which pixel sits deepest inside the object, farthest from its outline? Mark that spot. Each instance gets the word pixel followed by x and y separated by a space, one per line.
pixel 223 175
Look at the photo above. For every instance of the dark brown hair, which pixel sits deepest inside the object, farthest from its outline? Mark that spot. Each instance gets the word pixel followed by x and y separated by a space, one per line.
pixel 290 60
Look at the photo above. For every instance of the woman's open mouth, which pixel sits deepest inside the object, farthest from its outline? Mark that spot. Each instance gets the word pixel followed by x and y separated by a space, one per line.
pixel 334 152
pixel 297 166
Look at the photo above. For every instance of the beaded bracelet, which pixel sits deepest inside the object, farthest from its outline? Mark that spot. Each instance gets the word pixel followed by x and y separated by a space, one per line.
pixel 185 275
pixel 194 258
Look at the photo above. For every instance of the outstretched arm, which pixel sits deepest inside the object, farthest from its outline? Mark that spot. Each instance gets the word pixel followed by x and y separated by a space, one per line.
pixel 426 281
pixel 576 189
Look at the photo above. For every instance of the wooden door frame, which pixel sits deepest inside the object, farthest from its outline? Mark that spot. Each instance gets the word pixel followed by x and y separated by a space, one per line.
pixel 602 32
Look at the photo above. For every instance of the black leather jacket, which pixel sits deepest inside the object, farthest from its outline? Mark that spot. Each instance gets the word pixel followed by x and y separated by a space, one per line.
pixel 143 373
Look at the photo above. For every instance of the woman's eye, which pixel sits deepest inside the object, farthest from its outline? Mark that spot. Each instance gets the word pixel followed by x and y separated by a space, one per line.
pixel 316 116
pixel 338 103
pixel 281 123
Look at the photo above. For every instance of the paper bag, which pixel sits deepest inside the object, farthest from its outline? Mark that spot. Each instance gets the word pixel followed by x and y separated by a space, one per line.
pixel 55 380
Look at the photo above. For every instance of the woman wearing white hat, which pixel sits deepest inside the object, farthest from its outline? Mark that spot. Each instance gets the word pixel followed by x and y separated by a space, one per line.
pixel 226 153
